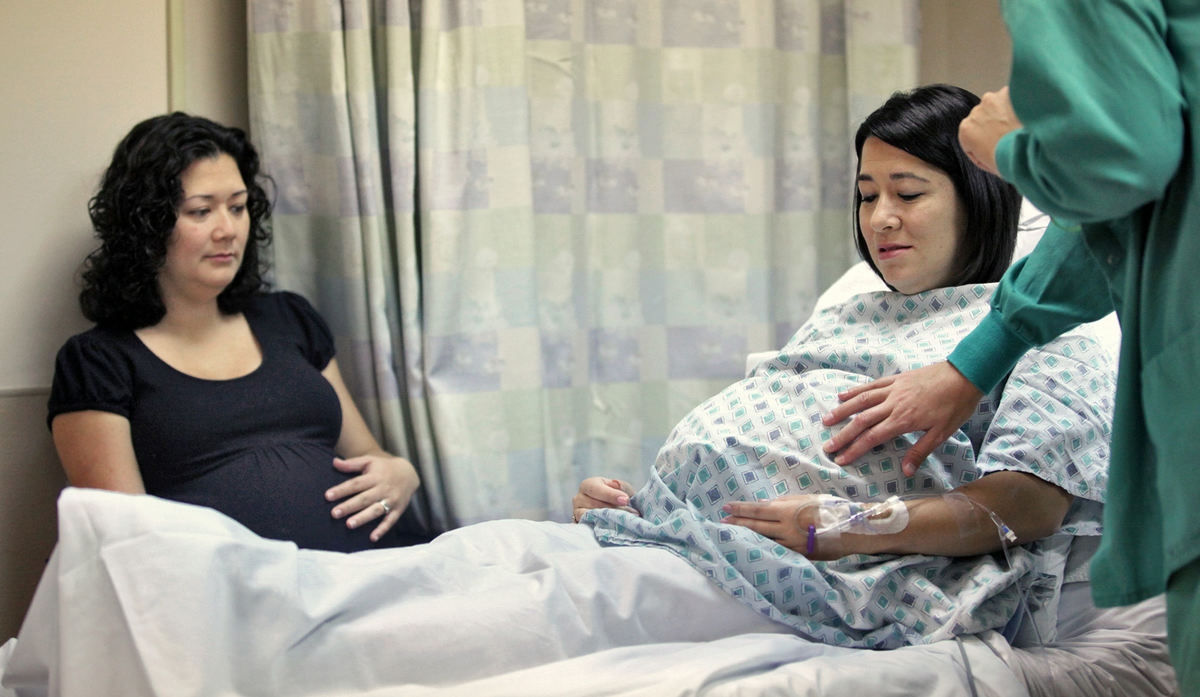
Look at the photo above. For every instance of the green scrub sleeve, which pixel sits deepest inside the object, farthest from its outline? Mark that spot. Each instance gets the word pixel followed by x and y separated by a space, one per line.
pixel 1057 287
pixel 989 353
pixel 1104 119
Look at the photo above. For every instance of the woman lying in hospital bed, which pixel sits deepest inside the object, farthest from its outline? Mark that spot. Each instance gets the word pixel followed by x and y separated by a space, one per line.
pixel 748 562
pixel 745 493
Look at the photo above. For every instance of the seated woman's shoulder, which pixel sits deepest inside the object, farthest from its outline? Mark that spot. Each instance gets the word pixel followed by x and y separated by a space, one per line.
pixel 283 304
pixel 99 340
pixel 288 314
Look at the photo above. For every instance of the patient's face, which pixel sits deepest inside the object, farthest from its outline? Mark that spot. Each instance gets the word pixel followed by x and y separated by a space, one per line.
pixel 910 216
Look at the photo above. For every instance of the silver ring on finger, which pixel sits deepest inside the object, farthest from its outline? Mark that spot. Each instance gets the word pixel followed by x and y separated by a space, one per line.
pixel 386 508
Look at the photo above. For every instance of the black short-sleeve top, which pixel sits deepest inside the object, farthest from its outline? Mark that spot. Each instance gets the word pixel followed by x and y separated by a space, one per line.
pixel 258 448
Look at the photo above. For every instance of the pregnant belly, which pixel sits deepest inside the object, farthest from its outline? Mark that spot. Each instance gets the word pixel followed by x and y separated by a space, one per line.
pixel 278 492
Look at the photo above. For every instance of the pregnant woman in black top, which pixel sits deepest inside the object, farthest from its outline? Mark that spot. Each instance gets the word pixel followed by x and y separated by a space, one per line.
pixel 196 384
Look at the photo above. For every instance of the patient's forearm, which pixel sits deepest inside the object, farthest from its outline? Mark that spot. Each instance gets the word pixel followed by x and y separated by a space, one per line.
pixel 954 525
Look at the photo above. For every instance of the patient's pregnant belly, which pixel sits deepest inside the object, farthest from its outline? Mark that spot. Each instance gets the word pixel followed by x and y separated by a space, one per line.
pixel 763 437
pixel 277 491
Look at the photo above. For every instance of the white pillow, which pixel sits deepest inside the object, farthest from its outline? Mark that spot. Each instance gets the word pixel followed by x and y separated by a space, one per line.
pixel 859 278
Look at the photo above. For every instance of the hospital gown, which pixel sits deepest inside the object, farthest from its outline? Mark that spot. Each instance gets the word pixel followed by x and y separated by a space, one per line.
pixel 762 437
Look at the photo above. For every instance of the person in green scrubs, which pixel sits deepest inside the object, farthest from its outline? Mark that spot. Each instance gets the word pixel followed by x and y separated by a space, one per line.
pixel 1098 128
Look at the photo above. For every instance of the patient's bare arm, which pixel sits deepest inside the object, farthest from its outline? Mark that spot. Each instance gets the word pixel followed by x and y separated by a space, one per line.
pixel 957 524
pixel 384 483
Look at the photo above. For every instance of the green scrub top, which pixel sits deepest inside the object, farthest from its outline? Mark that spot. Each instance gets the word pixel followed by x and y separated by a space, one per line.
pixel 1104 89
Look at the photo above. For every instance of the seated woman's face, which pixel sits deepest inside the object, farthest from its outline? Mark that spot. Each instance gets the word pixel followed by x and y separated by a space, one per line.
pixel 206 247
pixel 910 216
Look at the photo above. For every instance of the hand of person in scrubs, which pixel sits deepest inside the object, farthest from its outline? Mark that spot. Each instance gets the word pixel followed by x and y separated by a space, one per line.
pixel 936 399
pixel 991 119
pixel 602 492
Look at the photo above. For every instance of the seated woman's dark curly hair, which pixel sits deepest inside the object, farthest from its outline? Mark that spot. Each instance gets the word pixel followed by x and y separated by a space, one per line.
pixel 134 215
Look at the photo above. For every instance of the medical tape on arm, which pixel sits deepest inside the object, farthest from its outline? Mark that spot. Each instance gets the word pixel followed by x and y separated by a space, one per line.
pixel 836 515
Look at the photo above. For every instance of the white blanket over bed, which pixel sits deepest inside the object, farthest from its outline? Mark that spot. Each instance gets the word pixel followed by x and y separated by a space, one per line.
pixel 150 597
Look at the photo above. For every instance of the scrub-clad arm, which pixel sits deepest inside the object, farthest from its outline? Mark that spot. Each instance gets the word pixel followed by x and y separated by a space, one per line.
pixel 1096 87
pixel 1097 92
pixel 1056 288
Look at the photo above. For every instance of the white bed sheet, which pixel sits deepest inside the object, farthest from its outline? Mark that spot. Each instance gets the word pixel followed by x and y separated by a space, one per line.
pixel 150 597
pixel 145 596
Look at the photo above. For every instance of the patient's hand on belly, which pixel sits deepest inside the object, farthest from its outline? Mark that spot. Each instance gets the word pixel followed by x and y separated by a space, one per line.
pixel 602 492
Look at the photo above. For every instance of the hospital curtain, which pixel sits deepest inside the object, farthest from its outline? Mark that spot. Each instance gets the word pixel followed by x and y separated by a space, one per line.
pixel 542 231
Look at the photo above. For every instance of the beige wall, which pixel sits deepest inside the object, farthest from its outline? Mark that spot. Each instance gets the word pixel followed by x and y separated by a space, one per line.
pixel 965 43
pixel 208 59
pixel 74 83
pixel 78 75
pixel 32 480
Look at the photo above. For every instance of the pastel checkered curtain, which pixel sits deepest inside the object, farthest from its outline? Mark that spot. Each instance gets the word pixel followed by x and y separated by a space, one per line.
pixel 542 231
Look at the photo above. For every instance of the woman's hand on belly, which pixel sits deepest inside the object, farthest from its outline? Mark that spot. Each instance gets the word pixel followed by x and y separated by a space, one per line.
pixel 381 491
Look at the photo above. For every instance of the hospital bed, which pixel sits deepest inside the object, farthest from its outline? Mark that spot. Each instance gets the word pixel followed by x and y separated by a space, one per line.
pixel 144 596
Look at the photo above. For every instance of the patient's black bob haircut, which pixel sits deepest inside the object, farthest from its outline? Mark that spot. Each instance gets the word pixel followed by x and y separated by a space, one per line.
pixel 924 123
pixel 134 215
